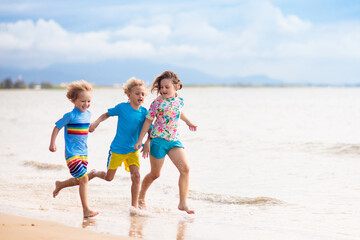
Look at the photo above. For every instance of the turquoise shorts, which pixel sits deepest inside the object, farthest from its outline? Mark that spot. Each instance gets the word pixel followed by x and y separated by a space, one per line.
pixel 159 147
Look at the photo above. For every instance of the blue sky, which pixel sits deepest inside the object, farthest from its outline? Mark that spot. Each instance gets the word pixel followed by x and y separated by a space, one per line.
pixel 293 41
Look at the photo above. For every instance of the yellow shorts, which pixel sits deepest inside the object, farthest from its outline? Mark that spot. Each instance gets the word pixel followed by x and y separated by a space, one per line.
pixel 115 160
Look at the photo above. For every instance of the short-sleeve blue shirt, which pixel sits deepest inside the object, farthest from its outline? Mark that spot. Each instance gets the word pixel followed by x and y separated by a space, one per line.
pixel 76 125
pixel 129 125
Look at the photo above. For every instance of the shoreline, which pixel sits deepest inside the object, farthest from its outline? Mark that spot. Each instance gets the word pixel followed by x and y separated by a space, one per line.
pixel 14 227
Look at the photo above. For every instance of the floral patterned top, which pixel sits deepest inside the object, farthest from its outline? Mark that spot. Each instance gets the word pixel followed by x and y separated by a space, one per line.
pixel 167 113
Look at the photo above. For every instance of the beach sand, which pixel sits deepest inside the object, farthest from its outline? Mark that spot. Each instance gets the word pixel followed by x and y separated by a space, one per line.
pixel 14 228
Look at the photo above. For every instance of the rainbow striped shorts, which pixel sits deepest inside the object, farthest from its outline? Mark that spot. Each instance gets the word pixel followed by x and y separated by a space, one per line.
pixel 77 166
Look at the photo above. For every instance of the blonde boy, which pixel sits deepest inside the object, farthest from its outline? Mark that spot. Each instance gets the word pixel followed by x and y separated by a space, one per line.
pixel 131 116
pixel 76 124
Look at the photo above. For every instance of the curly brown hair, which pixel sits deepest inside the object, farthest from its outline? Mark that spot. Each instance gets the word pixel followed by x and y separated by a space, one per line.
pixel 166 75
pixel 133 82
pixel 77 87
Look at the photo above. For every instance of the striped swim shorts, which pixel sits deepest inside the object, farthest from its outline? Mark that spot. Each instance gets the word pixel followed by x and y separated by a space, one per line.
pixel 77 166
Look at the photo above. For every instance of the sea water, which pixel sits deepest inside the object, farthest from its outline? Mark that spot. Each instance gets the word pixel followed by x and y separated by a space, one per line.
pixel 266 163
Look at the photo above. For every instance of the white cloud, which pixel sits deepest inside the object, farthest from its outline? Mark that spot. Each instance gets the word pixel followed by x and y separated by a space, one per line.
pixel 290 24
pixel 157 34
pixel 46 43
pixel 262 40
pixel 335 42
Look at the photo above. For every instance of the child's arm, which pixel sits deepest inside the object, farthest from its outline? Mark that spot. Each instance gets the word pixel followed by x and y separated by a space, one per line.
pixel 95 124
pixel 54 134
pixel 144 130
pixel 192 126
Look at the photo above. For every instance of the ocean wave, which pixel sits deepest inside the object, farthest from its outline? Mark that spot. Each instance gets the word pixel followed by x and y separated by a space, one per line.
pixel 326 148
pixel 229 199
pixel 43 166
pixel 345 149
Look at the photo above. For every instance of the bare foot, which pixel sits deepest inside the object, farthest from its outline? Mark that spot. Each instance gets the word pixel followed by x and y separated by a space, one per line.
pixel 90 214
pixel 186 209
pixel 134 211
pixel 57 189
pixel 142 204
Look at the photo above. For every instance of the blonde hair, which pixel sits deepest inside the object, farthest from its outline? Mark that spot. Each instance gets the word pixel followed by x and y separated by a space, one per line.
pixel 77 87
pixel 166 75
pixel 131 83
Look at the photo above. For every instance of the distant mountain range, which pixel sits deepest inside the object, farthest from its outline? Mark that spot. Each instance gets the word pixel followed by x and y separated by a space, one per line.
pixel 109 73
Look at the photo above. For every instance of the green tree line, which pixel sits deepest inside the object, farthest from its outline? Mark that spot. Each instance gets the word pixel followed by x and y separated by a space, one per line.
pixel 7 83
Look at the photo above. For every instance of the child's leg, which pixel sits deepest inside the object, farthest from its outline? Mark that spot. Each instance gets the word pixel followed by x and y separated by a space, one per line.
pixel 83 196
pixel 73 182
pixel 114 161
pixel 177 156
pixel 108 176
pixel 63 184
pixel 156 165
pixel 135 186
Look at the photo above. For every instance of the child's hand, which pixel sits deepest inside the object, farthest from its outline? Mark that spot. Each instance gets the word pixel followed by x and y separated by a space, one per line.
pixel 138 145
pixel 52 148
pixel 146 149
pixel 93 126
pixel 192 126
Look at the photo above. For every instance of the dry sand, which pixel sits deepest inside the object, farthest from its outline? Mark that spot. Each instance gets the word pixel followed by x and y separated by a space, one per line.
pixel 15 228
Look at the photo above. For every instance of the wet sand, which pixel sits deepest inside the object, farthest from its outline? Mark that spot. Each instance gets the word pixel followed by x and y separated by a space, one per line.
pixel 15 227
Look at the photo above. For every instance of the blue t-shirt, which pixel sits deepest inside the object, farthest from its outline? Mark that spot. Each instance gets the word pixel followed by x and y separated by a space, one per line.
pixel 76 125
pixel 130 122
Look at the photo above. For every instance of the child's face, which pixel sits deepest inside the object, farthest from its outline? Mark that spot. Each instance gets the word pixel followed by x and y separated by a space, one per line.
pixel 82 102
pixel 137 95
pixel 167 88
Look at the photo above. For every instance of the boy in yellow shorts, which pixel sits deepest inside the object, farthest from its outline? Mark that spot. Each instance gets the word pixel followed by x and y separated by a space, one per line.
pixel 131 116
